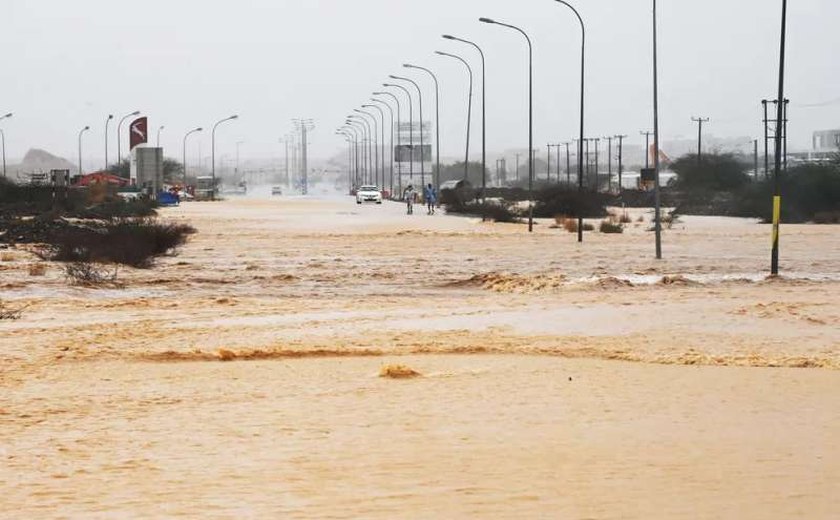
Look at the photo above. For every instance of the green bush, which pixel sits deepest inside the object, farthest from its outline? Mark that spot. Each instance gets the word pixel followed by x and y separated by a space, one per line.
pixel 563 200
pixel 495 211
pixel 610 227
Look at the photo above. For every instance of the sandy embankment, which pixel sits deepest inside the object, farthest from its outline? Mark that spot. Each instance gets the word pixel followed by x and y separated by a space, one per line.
pixel 97 418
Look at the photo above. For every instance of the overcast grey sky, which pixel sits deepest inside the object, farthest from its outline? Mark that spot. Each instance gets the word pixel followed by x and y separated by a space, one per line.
pixel 185 63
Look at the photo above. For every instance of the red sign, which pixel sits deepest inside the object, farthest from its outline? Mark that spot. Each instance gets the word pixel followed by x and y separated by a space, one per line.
pixel 138 132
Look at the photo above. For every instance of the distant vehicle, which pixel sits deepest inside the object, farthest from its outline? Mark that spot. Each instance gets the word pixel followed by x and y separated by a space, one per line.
pixel 276 190
pixel 368 194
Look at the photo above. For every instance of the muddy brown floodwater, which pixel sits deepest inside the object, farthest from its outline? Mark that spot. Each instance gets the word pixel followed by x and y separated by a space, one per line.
pixel 526 376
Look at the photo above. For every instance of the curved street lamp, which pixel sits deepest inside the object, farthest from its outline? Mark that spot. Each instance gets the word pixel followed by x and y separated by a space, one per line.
pixel 391 152
pixel 372 143
pixel 483 110
pixel 381 142
pixel 107 122
pixel 530 117
pixel 3 142
pixel 194 130
pixel 355 134
pixel 582 98
pixel 399 137
pixel 119 130
pixel 420 100
pixel 367 152
pixel 82 131
pixel 469 108
pixel 437 120
pixel 410 131
pixel 213 152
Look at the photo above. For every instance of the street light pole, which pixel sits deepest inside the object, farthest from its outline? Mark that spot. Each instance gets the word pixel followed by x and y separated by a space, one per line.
pixel 194 130
pixel 621 139
pixel 372 131
pixel 469 109
pixel 657 209
pixel 420 101
pixel 359 127
pixel 437 122
pixel 582 98
pixel 483 111
pixel 399 141
pixel 3 142
pixel 82 131
pixel 410 131
pixel 213 153
pixel 530 117
pixel 119 131
pixel 391 151
pixel 381 142
pixel 107 122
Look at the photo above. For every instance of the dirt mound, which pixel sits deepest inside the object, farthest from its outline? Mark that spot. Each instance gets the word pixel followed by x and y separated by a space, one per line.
pixel 611 282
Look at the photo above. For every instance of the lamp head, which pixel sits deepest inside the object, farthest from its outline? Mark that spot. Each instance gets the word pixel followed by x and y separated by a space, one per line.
pixel 199 129
pixel 135 113
pixel 486 20
pixel 235 116
pixel 393 77
pixel 448 37
pixel 86 128
pixel 110 116
pixel 409 66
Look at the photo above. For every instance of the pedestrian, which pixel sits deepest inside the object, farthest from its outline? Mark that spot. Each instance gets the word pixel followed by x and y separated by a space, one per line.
pixel 430 196
pixel 409 195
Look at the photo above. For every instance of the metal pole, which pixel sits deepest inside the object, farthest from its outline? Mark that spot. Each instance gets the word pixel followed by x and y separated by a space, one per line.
pixel 582 97
pixel 213 153
pixel 548 163
pixel 657 209
pixel 700 121
pixel 597 155
pixel 158 136
pixel 568 164
pixel 469 109
pixel 107 122
pixel 410 131
pixel 437 123
pixel 119 132
pixel 381 181
pixel 391 152
pixel 82 131
pixel 609 162
pixel 620 160
pixel 530 118
pixel 483 112
pixel 766 139
pixel 399 142
pixel 199 129
pixel 647 148
pixel 755 158
pixel 420 101
pixel 780 116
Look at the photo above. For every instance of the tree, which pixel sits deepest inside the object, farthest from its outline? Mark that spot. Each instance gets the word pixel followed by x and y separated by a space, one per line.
pixel 173 171
pixel 714 172
pixel 121 169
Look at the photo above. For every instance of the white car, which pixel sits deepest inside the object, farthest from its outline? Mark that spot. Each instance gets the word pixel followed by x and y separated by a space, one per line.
pixel 368 194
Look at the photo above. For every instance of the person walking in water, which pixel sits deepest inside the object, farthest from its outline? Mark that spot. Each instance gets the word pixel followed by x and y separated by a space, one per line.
pixel 409 194
pixel 430 196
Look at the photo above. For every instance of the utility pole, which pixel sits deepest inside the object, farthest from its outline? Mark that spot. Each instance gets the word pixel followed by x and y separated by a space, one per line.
pixel 568 164
pixel 597 155
pixel 621 139
pixel 304 126
pixel 609 162
pixel 647 147
pixel 780 117
pixel 783 130
pixel 700 121
pixel 755 157
pixel 548 163
pixel 558 161
pixel 517 165
pixel 766 139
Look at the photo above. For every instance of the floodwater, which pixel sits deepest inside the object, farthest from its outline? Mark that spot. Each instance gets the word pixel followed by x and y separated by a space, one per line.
pixel 240 378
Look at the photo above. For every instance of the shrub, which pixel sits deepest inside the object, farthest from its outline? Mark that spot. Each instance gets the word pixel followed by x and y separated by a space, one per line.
pixel 129 242
pixel 610 227
pixel 571 225
pixel 625 218
pixel 714 172
pixel 88 274
pixel 563 200
pixel 495 211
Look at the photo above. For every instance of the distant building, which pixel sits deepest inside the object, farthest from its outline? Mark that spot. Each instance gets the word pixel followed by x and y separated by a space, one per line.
pixel 827 141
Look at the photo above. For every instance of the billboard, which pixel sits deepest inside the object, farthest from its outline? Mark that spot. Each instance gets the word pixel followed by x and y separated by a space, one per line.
pixel 138 132
pixel 406 153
